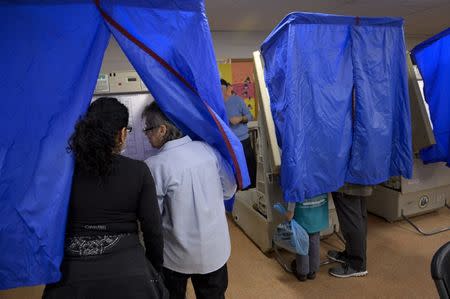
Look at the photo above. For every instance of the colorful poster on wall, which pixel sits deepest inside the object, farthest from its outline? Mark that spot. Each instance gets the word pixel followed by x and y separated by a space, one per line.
pixel 240 73
pixel 225 71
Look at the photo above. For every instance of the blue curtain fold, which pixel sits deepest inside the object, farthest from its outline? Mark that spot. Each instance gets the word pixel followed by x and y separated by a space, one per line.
pixel 169 44
pixel 433 61
pixel 339 99
pixel 50 58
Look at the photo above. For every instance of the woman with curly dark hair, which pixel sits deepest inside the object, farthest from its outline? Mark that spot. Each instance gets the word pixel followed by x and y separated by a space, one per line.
pixel 103 257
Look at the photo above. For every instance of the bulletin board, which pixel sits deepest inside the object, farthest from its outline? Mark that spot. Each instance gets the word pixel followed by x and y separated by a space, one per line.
pixel 241 75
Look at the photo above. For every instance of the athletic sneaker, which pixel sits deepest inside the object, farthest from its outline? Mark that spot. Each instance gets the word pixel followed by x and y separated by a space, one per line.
pixel 337 256
pixel 345 271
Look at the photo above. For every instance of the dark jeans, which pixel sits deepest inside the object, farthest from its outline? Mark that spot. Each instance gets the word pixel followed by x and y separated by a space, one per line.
pixel 251 161
pixel 206 286
pixel 352 214
pixel 310 263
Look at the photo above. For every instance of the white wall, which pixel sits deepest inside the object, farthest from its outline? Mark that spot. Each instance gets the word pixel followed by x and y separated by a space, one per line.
pixel 114 59
pixel 237 44
pixel 412 41
pixel 227 44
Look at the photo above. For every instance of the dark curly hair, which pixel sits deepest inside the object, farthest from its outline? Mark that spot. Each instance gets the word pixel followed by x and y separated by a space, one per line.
pixel 95 136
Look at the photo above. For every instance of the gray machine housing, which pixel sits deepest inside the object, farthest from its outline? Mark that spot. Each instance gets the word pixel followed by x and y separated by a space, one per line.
pixel 429 188
pixel 427 191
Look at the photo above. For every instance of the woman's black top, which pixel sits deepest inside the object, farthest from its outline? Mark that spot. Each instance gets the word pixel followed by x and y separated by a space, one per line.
pixel 113 204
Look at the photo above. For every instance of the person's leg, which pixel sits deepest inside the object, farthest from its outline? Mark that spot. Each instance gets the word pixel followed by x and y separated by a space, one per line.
pixel 350 216
pixel 301 268
pixel 364 231
pixel 211 285
pixel 314 254
pixel 354 222
pixel 339 204
pixel 175 283
pixel 251 161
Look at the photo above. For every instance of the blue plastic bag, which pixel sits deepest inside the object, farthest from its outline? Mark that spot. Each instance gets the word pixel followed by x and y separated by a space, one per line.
pixel 290 235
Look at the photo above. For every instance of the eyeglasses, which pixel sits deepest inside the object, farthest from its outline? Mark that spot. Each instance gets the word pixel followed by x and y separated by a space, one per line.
pixel 149 129
pixel 129 129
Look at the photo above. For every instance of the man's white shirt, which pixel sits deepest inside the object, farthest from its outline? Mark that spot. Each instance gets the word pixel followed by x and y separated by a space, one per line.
pixel 192 180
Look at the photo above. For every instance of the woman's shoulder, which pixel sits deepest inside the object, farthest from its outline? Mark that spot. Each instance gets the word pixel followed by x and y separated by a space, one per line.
pixel 129 162
pixel 132 170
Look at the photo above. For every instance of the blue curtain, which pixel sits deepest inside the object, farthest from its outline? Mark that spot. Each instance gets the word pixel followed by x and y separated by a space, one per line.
pixel 433 60
pixel 50 58
pixel 315 65
pixel 169 44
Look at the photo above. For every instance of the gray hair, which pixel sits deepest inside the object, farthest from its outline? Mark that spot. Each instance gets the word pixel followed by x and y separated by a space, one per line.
pixel 154 117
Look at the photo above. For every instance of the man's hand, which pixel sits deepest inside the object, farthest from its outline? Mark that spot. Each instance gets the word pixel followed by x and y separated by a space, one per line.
pixel 289 215
pixel 236 120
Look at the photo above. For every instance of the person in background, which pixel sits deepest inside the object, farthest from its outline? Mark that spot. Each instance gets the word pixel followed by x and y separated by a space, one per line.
pixel 103 257
pixel 238 116
pixel 192 180
pixel 351 208
pixel 312 215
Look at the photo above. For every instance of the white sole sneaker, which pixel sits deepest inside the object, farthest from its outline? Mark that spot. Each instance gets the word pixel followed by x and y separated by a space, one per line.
pixel 356 274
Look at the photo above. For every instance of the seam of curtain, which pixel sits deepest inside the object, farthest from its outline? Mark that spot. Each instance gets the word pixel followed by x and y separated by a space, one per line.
pixel 169 68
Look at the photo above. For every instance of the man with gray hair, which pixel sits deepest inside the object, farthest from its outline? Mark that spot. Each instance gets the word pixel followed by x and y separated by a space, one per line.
pixel 192 180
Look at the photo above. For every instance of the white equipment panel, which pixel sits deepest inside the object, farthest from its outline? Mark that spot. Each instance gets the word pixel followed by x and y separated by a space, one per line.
pixel 102 84
pixel 127 87
pixel 120 82
pixel 124 82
